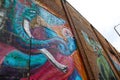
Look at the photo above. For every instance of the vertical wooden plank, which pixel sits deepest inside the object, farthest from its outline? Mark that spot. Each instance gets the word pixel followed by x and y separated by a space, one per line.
pixel 81 49
pixel 110 53
pixel 93 49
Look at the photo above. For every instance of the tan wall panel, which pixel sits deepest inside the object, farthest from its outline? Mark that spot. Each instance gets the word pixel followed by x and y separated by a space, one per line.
pixel 81 24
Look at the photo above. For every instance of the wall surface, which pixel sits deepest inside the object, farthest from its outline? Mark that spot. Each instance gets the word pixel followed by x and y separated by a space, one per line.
pixel 50 40
pixel 37 43
pixel 102 58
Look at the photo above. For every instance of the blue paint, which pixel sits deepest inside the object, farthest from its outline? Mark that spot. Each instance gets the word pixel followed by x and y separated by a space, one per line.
pixel 20 12
pixel 50 18
pixel 117 66
pixel 17 59
pixel 71 44
pixel 75 76
pixel 50 33
pixel 7 3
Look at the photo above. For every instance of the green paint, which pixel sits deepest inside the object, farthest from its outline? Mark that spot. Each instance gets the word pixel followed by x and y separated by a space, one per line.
pixel 106 72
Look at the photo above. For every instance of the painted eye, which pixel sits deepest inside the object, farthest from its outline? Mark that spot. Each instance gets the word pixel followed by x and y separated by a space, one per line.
pixel 33 11
pixel 30 11
pixel 30 14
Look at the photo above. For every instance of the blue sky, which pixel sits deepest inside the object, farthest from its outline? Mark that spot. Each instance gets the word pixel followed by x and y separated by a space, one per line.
pixel 103 15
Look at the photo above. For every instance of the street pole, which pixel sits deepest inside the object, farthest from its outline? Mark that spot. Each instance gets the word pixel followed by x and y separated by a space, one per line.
pixel 116 29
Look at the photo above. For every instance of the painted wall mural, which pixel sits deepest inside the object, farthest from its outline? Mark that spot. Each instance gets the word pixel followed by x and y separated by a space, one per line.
pixel 106 72
pixel 114 60
pixel 35 43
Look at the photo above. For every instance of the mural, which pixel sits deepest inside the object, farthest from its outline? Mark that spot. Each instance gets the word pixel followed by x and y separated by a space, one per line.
pixel 106 72
pixel 114 60
pixel 35 44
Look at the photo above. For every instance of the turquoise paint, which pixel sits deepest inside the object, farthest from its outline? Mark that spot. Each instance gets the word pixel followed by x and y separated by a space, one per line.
pixel 18 59
pixel 17 14
pixel 52 20
pixel 7 3
pixel 75 76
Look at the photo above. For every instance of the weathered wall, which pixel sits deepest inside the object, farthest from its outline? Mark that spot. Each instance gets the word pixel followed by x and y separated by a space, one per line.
pixel 37 42
pixel 50 40
pixel 111 53
pixel 96 49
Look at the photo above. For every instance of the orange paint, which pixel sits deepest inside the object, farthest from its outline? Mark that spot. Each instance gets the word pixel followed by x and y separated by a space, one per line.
pixel 79 65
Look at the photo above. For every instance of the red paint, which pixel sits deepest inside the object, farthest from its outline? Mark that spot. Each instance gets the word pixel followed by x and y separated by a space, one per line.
pixel 25 2
pixel 50 72
pixel 4 50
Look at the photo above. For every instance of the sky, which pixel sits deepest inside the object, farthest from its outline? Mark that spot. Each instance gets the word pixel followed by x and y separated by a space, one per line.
pixel 104 15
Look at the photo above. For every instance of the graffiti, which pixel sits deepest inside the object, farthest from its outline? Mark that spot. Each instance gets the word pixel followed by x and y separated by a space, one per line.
pixel 33 47
pixel 106 72
pixel 114 60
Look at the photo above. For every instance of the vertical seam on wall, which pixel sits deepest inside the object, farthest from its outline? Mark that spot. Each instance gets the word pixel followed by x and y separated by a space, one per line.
pixel 111 60
pixel 116 53
pixel 114 70
pixel 76 35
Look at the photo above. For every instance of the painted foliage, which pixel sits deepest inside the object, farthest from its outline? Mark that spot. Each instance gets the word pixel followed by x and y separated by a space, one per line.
pixel 35 43
pixel 106 72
